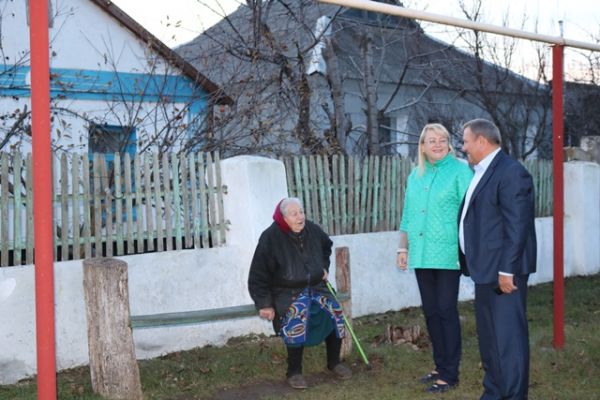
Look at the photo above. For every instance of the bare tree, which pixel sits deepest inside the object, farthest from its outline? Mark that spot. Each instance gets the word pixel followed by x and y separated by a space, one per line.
pixel 15 124
pixel 582 95
pixel 312 78
pixel 519 106
pixel 585 65
pixel 400 65
pixel 264 67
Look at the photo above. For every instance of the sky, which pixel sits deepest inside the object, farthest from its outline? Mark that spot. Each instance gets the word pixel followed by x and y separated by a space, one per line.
pixel 178 21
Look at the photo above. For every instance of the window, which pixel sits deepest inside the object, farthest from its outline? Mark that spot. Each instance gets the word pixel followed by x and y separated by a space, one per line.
pixel 108 140
pixel 111 139
pixel 388 136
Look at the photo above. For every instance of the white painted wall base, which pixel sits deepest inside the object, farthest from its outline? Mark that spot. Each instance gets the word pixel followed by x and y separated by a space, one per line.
pixel 582 208
pixel 212 278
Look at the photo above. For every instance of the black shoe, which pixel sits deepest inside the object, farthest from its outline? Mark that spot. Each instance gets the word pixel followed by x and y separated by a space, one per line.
pixel 439 387
pixel 430 377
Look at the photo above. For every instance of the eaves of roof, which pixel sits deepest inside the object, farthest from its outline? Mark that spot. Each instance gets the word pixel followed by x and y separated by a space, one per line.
pixel 157 45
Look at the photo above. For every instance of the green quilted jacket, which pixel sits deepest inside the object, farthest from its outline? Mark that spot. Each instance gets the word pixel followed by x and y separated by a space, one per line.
pixel 430 213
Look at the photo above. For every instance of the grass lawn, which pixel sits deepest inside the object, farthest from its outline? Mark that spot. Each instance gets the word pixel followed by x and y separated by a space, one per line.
pixel 254 367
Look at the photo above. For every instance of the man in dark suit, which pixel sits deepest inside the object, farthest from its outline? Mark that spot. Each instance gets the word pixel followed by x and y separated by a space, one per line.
pixel 498 250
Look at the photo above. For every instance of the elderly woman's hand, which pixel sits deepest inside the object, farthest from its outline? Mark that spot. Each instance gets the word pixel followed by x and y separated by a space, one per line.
pixel 401 260
pixel 267 313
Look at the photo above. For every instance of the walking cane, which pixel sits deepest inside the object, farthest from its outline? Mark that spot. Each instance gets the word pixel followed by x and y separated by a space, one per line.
pixel 349 327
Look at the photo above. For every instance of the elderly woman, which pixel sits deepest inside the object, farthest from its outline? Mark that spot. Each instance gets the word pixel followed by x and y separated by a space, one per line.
pixel 287 283
pixel 429 245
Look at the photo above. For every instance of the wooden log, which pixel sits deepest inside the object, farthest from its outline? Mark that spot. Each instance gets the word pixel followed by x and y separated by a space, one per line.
pixel 342 282
pixel 113 367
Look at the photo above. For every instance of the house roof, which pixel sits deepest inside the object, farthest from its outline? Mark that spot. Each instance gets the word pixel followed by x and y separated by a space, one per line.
pixel 157 45
pixel 230 40
pixel 581 108
pixel 399 41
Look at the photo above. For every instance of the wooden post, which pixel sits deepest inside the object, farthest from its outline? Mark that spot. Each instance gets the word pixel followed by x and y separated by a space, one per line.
pixel 342 282
pixel 113 366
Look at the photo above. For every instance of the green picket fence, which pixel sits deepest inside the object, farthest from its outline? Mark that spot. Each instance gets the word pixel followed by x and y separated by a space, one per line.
pixel 541 171
pixel 147 204
pixel 112 208
pixel 348 195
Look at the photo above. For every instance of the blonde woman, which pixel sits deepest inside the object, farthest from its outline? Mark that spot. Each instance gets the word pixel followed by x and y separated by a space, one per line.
pixel 429 246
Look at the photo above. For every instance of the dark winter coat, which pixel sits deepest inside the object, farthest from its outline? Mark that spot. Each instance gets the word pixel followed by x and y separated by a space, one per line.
pixel 285 263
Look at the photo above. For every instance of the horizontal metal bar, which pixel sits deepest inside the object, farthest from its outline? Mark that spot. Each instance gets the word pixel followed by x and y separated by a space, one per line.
pixel 192 317
pixel 200 316
pixel 462 23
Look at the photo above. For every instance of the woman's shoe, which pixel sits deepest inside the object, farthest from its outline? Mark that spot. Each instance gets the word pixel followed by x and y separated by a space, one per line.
pixel 439 387
pixel 430 377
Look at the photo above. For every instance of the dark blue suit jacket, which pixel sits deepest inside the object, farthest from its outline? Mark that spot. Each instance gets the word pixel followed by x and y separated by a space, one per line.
pixel 499 229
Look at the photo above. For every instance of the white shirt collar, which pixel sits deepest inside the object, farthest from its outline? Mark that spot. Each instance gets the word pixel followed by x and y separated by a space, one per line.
pixel 485 163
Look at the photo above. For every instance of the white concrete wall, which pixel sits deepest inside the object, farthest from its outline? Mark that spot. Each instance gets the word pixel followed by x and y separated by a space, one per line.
pixel 582 208
pixel 211 278
pixel 254 186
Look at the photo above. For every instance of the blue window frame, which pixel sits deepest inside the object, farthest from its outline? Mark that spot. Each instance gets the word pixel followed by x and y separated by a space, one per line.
pixel 110 139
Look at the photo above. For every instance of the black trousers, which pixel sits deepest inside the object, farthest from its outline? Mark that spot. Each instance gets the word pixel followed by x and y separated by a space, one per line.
pixel 439 297
pixel 333 345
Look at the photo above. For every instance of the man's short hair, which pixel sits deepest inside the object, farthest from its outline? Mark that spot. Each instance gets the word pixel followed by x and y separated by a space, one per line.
pixel 485 128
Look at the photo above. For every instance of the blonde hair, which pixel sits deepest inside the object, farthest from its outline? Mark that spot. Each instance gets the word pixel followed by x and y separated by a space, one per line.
pixel 438 129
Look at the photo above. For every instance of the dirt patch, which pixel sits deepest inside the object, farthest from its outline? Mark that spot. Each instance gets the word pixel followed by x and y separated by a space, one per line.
pixel 279 388
pixel 273 388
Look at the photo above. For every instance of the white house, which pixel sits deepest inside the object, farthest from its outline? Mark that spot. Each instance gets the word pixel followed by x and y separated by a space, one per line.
pixel 114 86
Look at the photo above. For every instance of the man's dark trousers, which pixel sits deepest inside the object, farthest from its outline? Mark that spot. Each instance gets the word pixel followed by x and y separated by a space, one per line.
pixel 503 340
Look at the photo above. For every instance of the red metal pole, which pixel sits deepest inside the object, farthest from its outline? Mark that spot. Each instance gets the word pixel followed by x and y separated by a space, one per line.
pixel 42 199
pixel 558 191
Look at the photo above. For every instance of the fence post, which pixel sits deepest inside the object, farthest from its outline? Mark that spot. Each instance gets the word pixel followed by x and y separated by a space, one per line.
pixel 342 283
pixel 582 211
pixel 113 366
pixel 254 187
